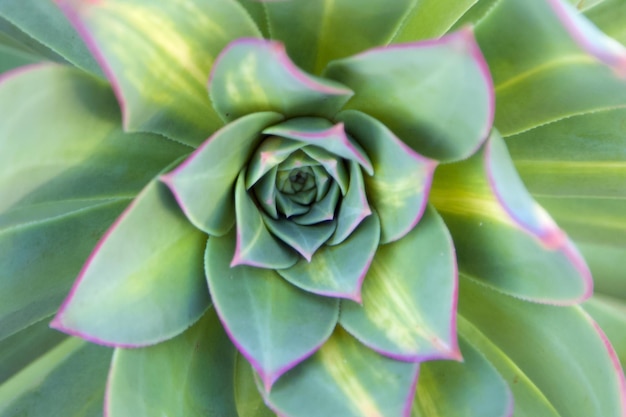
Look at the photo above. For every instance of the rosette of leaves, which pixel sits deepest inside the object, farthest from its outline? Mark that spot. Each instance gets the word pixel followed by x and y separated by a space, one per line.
pixel 336 214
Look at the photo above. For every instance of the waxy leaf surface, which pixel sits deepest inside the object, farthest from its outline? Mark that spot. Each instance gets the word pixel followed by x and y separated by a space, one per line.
pixel 204 184
pixel 147 381
pixel 143 283
pixel 158 58
pixel 344 378
pixel 502 236
pixel 274 324
pixel 436 96
pixel 254 75
pixel 408 308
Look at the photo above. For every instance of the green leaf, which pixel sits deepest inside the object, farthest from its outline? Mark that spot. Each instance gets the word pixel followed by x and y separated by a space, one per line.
pixel 249 400
pixel 273 324
pixel 353 208
pixel 575 169
pixel 408 306
pixel 56 34
pixel 158 57
pixel 541 74
pixel 610 313
pixel 256 246
pixel 431 19
pixel 143 283
pixel 608 16
pixel 560 349
pixel 529 400
pixel 204 184
pixel 306 240
pixel 436 96
pixel 502 236
pixel 68 381
pixel 338 271
pixel 398 190
pixel 344 378
pixel 11 58
pixel 148 381
pixel 256 9
pixel 59 195
pixel 604 261
pixel 253 75
pixel 315 32
pixel 444 388
pixel 22 348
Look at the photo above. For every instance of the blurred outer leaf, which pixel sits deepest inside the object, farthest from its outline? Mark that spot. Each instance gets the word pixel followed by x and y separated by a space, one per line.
pixel 610 16
pixel 502 236
pixel 469 389
pixel 409 296
pixel 11 58
pixel 191 375
pixel 338 271
pixel 204 184
pixel 11 35
pixel 315 31
pixel 436 96
pixel 344 378
pixel 60 194
pixel 431 19
pixel 253 75
pixel 158 57
pixel 610 313
pixel 22 348
pixel 143 283
pixel 576 169
pixel 398 190
pixel 540 73
pixel 43 20
pixel 529 401
pixel 550 345
pixel 247 396
pixel 274 324
pixel 70 377
pixel 256 9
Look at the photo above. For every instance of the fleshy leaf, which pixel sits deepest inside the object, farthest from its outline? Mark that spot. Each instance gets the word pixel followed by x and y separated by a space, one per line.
pixel 271 152
pixel 610 313
pixel 408 309
pixel 431 19
pixel 540 72
pixel 255 244
pixel 608 16
pixel 443 388
pixel 590 38
pixel 436 96
pixel 11 58
pixel 201 361
pixel 306 240
pixel 248 398
pixel 143 283
pixel 323 210
pixel 344 378
pixel 502 236
pixel 315 31
pixel 529 400
pixel 353 208
pixel 333 166
pixel 59 195
pixel 550 345
pixel 67 381
pixel 253 75
pixel 338 271
pixel 398 191
pixel 321 133
pixel 578 176
pixel 274 324
pixel 158 58
pixel 56 34
pixel 204 184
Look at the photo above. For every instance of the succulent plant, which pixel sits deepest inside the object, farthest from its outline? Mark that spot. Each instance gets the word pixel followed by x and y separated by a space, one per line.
pixel 312 208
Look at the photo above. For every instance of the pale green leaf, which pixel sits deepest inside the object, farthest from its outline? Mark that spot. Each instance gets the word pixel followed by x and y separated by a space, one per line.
pixel 158 57
pixel 191 375
pixel 144 282
pixel 610 313
pixel 409 296
pixel 274 324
